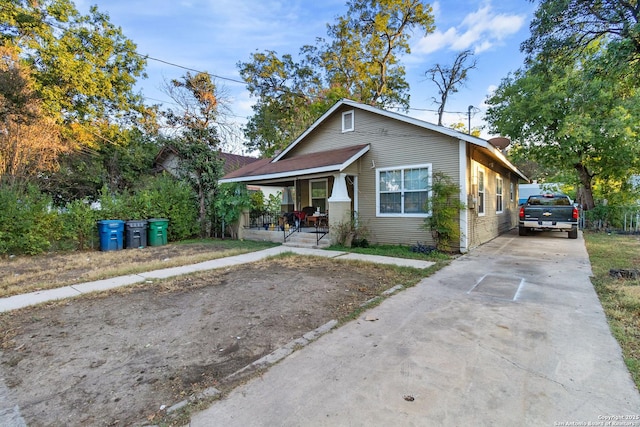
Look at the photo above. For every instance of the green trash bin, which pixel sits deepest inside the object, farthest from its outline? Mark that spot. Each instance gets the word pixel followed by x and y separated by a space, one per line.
pixel 158 231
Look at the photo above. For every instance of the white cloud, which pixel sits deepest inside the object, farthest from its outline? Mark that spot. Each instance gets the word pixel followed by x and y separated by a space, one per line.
pixel 480 31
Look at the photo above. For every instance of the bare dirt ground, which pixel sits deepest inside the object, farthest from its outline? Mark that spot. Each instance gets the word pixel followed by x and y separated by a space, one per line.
pixel 23 274
pixel 117 358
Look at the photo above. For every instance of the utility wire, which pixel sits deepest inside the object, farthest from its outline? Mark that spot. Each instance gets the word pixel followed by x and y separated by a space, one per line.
pixel 191 69
pixel 245 83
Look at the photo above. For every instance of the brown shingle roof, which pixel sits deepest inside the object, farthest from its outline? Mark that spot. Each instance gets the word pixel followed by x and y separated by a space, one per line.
pixel 234 162
pixel 306 163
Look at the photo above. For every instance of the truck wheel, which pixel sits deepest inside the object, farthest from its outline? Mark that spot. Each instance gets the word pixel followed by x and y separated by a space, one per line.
pixel 573 234
pixel 522 231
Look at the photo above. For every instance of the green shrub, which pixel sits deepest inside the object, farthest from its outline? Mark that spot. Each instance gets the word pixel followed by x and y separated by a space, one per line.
pixel 445 206
pixel 166 197
pixel 28 225
pixel 80 224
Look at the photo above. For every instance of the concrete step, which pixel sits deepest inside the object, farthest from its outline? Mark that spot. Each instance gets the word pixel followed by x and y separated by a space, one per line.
pixel 307 240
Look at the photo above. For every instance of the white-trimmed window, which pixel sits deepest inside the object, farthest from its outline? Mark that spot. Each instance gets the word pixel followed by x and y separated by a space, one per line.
pixel 318 194
pixel 481 191
pixel 512 191
pixel 403 191
pixel 499 184
pixel 348 122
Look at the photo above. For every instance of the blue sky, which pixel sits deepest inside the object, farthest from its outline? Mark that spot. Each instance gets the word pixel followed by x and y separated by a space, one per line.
pixel 214 35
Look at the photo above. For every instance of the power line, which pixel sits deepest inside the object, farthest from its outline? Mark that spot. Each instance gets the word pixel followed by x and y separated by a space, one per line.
pixel 245 83
pixel 191 69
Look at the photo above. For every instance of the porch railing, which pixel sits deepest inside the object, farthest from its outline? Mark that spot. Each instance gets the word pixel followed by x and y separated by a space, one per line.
pixel 321 231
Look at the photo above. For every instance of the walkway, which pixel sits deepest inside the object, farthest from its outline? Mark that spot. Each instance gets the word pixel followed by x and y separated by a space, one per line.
pixel 25 300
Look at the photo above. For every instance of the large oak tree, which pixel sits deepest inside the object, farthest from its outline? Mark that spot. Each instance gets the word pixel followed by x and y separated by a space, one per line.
pixel 359 60
pixel 572 117
pixel 79 73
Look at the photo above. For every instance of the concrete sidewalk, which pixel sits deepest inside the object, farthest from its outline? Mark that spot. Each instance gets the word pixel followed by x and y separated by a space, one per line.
pixel 33 298
pixel 511 334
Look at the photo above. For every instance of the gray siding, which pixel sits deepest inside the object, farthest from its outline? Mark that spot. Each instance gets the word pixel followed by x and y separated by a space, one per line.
pixel 393 143
pixel 483 228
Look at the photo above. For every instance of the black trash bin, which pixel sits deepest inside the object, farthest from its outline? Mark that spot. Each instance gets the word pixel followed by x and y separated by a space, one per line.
pixel 136 234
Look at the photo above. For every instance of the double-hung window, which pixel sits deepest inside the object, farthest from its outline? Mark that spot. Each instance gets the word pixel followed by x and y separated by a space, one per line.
pixel 499 206
pixel 481 191
pixel 318 192
pixel 403 191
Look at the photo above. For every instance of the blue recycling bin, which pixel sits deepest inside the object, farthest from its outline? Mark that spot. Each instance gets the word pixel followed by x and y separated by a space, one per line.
pixel 111 234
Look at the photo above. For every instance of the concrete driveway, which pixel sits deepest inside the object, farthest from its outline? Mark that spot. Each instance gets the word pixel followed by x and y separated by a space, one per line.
pixel 509 334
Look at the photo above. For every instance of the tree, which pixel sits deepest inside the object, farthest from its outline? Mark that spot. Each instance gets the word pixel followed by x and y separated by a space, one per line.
pixel 365 45
pixel 572 117
pixel 565 28
pixel 359 61
pixel 196 137
pixel 30 142
pixel 83 66
pixel 76 105
pixel 285 90
pixel 449 78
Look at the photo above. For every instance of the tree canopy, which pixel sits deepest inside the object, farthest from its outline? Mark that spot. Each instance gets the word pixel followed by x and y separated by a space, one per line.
pixel 359 60
pixel 67 88
pixel 572 117
pixel 565 28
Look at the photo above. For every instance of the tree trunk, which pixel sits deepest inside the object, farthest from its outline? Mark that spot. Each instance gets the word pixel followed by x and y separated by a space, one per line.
pixel 203 213
pixel 584 195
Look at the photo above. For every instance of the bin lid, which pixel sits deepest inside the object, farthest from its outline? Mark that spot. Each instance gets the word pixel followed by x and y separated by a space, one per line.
pixel 158 220
pixel 137 223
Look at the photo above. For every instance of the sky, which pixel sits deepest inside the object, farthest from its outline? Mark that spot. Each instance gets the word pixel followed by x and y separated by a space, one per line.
pixel 215 35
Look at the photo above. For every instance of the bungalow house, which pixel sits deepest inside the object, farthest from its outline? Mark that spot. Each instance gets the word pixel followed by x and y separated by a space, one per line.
pixel 360 159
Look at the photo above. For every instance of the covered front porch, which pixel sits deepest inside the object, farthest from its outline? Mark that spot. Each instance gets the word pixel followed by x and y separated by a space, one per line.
pixel 319 192
pixel 310 207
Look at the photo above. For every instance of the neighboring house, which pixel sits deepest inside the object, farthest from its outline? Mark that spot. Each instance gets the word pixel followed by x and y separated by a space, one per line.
pixel 167 160
pixel 526 190
pixel 378 164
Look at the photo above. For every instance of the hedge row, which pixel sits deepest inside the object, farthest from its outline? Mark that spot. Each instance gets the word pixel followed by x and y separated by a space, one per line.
pixel 30 224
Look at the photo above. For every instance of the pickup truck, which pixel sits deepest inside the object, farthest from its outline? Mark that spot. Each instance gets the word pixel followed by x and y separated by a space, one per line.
pixel 551 212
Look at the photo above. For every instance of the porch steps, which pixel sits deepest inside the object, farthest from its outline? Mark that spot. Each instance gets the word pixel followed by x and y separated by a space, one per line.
pixel 307 240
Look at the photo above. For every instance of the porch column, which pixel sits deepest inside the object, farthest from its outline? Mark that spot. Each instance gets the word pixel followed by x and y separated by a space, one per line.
pixel 339 202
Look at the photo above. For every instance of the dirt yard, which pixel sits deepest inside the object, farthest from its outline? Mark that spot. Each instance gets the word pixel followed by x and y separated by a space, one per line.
pixel 117 358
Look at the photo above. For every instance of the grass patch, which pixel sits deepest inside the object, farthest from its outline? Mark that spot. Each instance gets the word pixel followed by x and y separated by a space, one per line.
pixel 396 251
pixel 620 298
pixel 23 274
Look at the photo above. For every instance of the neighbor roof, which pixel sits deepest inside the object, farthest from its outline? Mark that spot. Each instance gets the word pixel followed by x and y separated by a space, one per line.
pixel 231 162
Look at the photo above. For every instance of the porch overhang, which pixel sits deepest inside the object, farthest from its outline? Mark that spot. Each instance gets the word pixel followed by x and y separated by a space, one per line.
pixel 323 162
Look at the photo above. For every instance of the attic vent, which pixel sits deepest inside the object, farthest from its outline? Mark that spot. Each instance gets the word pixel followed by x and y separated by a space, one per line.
pixel 348 121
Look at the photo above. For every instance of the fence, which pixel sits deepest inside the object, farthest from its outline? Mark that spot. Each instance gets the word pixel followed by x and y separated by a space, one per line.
pixel 617 218
pixel 262 220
